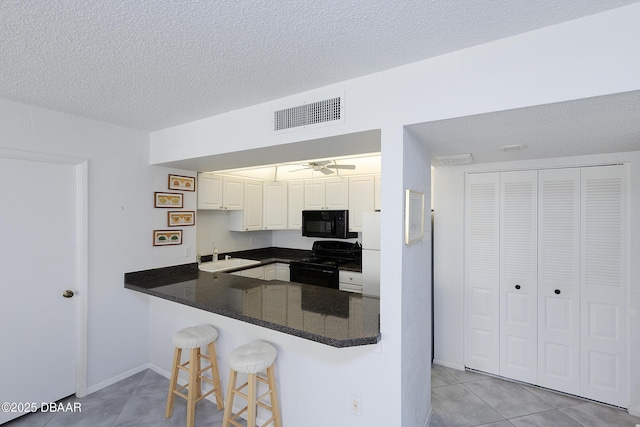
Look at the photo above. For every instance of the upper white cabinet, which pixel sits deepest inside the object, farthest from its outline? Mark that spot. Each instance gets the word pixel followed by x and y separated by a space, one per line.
pixel 274 205
pixel 330 193
pixel 209 191
pixel 250 218
pixel 361 199
pixel 295 204
pixel 220 192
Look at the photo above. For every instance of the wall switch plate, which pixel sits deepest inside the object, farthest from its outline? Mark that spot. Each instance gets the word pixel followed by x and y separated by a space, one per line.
pixel 356 405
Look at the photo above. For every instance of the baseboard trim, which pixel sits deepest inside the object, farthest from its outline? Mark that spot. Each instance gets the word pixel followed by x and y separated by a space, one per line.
pixel 446 364
pixel 117 378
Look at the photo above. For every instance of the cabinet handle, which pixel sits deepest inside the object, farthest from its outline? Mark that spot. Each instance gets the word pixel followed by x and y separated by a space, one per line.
pixel 517 286
pixel 557 291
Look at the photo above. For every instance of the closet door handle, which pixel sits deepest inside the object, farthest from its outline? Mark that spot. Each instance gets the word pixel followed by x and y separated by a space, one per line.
pixel 517 286
pixel 557 291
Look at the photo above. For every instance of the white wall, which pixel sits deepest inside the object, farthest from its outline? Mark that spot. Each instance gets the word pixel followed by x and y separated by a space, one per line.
pixel 448 255
pixel 213 227
pixel 120 223
pixel 587 57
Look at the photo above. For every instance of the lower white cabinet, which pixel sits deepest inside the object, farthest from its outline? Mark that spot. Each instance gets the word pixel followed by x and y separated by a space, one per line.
pixel 546 277
pixel 350 281
pixel 277 271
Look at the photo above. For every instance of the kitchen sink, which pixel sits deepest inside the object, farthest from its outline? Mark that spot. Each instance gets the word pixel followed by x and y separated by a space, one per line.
pixel 226 264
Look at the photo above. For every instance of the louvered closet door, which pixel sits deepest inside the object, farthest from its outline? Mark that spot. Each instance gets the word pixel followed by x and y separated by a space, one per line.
pixel 482 337
pixel 518 275
pixel 559 279
pixel 603 302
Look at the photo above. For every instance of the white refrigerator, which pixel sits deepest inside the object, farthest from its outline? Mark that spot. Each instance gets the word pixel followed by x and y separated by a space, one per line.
pixel 371 253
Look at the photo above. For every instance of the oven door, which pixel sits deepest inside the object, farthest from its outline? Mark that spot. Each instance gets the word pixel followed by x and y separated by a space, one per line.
pixel 314 274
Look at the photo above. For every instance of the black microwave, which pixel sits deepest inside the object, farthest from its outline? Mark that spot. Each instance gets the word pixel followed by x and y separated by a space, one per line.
pixel 329 224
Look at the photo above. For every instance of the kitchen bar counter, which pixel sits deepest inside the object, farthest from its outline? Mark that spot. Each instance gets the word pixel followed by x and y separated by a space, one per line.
pixel 327 316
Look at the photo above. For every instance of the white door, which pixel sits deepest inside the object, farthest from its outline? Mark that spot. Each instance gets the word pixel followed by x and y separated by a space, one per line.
pixel 38 261
pixel 519 275
pixel 482 246
pixel 559 279
pixel 604 292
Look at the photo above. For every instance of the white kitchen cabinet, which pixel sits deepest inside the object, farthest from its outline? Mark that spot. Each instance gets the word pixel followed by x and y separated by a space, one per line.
pixel 330 193
pixel 546 271
pixel 254 273
pixel 350 281
pixel 361 199
pixel 282 272
pixel 220 192
pixel 274 205
pixel 277 271
pixel 295 204
pixel 377 192
pixel 209 191
pixel 250 218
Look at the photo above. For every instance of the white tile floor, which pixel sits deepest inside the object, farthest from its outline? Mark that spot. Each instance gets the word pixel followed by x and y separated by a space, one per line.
pixel 465 399
pixel 459 399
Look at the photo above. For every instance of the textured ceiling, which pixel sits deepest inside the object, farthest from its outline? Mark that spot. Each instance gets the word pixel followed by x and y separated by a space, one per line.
pixel 151 64
pixel 603 124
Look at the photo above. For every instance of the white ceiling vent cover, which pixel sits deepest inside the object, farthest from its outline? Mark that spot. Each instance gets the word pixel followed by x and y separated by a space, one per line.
pixel 321 112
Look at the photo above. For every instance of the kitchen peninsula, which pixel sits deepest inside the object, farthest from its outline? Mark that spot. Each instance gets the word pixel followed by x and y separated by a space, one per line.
pixel 327 316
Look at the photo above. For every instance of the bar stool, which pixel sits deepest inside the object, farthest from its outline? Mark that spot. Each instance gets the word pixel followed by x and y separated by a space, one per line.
pixel 252 359
pixel 192 338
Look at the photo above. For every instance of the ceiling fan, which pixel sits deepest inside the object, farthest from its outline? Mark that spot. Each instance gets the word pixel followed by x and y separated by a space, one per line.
pixel 324 166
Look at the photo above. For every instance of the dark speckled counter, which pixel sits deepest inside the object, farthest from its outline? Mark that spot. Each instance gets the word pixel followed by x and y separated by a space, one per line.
pixel 327 316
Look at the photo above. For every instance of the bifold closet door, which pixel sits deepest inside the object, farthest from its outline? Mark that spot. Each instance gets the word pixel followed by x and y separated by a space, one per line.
pixel 482 250
pixel 604 291
pixel 559 279
pixel 518 275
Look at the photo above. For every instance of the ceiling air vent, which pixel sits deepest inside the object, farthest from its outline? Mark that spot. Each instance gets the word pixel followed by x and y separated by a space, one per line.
pixel 329 110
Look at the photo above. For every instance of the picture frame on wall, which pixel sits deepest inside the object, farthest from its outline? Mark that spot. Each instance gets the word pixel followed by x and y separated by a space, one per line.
pixel 182 183
pixel 181 218
pixel 167 237
pixel 167 200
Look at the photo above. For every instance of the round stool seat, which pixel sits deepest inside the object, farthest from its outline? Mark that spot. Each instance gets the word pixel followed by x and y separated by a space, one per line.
pixel 195 336
pixel 253 357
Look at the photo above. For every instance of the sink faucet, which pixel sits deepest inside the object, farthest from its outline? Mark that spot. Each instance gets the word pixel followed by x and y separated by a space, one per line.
pixel 227 257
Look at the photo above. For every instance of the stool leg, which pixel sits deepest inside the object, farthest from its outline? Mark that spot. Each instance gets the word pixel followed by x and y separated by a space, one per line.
pixel 192 392
pixel 251 402
pixel 215 374
pixel 177 354
pixel 228 405
pixel 273 396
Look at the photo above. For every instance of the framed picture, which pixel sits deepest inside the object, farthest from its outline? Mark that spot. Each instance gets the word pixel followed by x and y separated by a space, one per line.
pixel 181 218
pixel 167 200
pixel 413 216
pixel 182 183
pixel 167 237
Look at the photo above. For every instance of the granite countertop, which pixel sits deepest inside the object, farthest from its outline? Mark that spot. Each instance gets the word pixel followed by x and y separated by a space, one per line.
pixel 327 316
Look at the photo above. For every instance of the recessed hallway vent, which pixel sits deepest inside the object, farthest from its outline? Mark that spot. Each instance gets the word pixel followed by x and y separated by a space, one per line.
pixel 329 110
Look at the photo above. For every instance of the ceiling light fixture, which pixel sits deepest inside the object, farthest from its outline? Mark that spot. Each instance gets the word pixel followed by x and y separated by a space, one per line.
pixel 454 159
pixel 515 147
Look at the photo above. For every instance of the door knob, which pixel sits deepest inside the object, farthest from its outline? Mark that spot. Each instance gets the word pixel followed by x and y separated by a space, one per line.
pixel 557 291
pixel 68 293
pixel 517 286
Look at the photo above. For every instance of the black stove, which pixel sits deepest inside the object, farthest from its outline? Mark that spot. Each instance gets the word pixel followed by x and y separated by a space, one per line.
pixel 321 268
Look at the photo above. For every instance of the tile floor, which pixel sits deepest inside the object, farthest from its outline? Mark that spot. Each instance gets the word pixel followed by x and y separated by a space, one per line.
pixel 459 399
pixel 465 399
